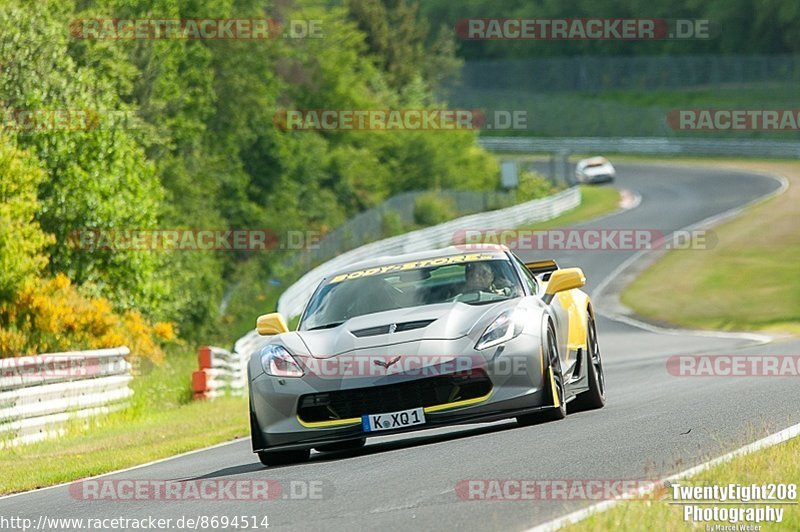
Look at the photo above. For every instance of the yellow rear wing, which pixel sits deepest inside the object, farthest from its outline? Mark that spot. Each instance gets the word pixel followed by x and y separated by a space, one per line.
pixel 542 267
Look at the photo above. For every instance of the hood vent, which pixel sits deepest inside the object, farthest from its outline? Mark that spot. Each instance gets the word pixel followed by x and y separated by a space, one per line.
pixel 392 327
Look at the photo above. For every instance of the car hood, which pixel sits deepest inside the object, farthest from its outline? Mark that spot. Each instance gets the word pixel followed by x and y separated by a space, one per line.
pixel 447 321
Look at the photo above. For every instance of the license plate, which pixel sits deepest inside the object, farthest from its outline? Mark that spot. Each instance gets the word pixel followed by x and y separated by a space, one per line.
pixel 393 420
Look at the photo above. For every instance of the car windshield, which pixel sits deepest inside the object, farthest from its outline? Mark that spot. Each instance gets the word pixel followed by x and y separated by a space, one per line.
pixel 594 163
pixel 473 283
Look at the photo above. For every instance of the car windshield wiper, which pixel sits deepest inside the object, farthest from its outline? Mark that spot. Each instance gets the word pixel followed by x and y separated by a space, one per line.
pixel 486 301
pixel 330 325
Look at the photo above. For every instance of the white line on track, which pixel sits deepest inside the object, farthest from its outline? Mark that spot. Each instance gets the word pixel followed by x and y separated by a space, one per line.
pixel 706 223
pixel 139 466
pixel 769 441
pixel 574 517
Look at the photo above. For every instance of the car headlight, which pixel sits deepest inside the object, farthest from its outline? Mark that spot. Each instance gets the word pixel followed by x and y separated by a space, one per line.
pixel 509 324
pixel 278 362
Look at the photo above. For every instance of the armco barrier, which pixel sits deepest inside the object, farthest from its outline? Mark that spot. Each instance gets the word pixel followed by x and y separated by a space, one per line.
pixel 646 146
pixel 221 372
pixel 293 300
pixel 368 226
pixel 40 394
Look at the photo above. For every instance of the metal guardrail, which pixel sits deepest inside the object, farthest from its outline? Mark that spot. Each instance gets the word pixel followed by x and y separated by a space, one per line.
pixel 293 300
pixel 643 145
pixel 642 72
pixel 40 394
pixel 368 226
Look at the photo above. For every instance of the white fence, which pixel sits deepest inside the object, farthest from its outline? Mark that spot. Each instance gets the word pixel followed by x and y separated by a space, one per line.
pixel 40 394
pixel 293 300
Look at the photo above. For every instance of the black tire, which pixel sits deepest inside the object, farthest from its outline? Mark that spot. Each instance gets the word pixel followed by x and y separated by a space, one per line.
pixel 553 376
pixel 595 396
pixel 274 458
pixel 349 445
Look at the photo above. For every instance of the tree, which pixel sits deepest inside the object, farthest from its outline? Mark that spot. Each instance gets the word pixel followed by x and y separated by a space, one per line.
pixel 22 241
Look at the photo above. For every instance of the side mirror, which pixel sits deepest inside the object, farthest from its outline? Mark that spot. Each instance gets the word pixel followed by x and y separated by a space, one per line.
pixel 561 280
pixel 271 324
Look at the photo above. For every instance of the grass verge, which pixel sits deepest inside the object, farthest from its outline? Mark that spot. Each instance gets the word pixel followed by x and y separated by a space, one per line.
pixel 109 446
pixel 161 421
pixel 778 465
pixel 748 281
pixel 596 201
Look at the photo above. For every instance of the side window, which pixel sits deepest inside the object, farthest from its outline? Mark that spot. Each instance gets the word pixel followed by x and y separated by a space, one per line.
pixel 527 277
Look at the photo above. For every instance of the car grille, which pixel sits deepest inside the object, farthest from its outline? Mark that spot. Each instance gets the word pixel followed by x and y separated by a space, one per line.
pixel 432 391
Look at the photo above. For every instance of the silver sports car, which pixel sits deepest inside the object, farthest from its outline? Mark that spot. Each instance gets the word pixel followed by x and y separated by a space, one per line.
pixel 595 170
pixel 395 344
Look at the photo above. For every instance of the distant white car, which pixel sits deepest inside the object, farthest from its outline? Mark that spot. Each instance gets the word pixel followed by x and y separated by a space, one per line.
pixel 595 170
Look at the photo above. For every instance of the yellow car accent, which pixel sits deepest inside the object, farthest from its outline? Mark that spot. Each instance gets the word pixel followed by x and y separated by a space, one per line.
pixel 441 261
pixel 457 404
pixel 331 423
pixel 541 266
pixel 427 410
pixel 556 402
pixel 270 324
pixel 575 302
pixel 565 279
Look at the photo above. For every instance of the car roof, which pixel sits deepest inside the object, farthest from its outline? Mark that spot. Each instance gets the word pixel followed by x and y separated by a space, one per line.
pixel 594 160
pixel 497 252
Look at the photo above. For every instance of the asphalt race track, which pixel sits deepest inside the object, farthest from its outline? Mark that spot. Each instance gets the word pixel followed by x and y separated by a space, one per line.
pixel 408 482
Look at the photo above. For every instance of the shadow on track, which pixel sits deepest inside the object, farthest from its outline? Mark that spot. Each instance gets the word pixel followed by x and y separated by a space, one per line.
pixel 370 448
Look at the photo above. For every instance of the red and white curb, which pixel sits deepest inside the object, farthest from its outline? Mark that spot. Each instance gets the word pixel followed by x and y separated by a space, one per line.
pixel 629 200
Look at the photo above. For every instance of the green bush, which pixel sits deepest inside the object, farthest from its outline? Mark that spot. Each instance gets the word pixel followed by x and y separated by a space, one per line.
pixel 533 186
pixel 432 209
pixel 392 224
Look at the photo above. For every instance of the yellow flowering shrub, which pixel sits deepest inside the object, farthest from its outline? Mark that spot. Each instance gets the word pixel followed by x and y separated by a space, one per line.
pixel 50 315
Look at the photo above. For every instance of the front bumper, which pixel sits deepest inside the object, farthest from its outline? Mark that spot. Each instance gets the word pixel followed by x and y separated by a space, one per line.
pixel 597 178
pixel 513 369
